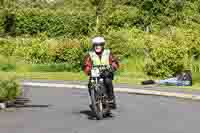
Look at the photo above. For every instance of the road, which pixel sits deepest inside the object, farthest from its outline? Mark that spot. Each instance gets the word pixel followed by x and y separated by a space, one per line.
pixel 68 112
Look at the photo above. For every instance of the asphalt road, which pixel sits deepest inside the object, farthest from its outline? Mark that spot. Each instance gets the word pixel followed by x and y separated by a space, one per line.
pixel 69 113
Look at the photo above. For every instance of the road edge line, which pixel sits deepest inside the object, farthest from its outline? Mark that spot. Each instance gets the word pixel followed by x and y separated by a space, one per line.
pixel 122 90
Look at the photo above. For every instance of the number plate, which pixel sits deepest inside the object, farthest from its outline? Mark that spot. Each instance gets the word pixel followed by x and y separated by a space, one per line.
pixel 95 73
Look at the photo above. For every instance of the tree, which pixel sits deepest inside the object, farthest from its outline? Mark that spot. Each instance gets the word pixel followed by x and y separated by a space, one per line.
pixel 102 8
pixel 8 8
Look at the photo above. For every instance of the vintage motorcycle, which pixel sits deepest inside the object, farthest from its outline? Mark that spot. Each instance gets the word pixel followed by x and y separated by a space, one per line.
pixel 99 99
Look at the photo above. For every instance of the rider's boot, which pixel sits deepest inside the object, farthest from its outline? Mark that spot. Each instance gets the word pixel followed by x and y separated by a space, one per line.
pixel 112 102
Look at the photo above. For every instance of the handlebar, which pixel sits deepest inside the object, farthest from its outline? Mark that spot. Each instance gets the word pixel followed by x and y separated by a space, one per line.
pixel 104 68
pixel 101 66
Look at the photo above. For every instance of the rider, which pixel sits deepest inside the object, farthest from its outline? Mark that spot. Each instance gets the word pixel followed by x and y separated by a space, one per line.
pixel 101 56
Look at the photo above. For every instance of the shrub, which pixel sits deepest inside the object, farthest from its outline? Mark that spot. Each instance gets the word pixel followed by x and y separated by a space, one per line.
pixel 126 42
pixel 70 52
pixel 123 16
pixel 53 67
pixel 35 21
pixel 33 50
pixel 6 47
pixel 40 50
pixel 166 61
pixel 117 42
pixel 9 90
pixel 166 57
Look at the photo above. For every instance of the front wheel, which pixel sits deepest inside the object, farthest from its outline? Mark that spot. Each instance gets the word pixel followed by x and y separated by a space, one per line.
pixel 97 106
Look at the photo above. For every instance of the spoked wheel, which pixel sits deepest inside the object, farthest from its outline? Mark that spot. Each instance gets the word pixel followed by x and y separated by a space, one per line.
pixel 97 106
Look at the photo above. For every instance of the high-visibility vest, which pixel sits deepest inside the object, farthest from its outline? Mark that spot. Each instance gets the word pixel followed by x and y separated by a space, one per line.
pixel 104 58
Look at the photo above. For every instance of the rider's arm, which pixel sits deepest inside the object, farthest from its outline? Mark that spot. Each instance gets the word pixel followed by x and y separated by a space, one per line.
pixel 87 65
pixel 113 61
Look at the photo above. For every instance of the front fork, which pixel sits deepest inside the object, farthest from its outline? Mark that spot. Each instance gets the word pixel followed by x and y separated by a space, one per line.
pixel 97 85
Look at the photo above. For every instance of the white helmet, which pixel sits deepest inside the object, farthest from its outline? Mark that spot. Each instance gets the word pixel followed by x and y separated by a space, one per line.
pixel 98 41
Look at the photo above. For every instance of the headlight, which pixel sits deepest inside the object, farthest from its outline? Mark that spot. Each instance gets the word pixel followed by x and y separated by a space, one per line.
pixel 101 80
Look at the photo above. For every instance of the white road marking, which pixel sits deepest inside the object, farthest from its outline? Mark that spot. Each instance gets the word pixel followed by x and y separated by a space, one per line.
pixel 125 90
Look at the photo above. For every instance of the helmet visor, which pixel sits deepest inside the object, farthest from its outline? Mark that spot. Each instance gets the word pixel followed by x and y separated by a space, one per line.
pixel 98 44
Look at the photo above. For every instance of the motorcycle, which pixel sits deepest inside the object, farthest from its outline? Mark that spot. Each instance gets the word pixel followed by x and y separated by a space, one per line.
pixel 99 99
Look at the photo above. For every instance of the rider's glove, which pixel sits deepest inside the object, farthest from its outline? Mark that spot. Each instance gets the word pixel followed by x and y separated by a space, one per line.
pixel 112 69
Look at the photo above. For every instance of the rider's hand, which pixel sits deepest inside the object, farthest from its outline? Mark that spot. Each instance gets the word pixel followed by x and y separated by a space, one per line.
pixel 112 69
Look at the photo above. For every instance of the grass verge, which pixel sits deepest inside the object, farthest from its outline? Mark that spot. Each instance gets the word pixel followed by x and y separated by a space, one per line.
pixel 131 78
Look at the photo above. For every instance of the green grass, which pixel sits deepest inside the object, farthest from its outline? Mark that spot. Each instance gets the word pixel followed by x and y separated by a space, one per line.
pixel 131 78
pixel 131 72
pixel 44 75
pixel 196 79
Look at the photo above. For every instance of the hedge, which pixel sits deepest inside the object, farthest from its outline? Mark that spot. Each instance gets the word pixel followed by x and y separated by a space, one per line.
pixel 55 24
pixel 172 52
pixel 169 52
pixel 40 51
pixel 9 90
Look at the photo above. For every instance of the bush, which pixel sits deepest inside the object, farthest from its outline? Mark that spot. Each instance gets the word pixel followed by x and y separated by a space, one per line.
pixel 6 47
pixel 9 90
pixel 49 52
pixel 123 16
pixel 70 52
pixel 166 61
pixel 35 21
pixel 53 67
pixel 166 56
pixel 126 43
pixel 33 50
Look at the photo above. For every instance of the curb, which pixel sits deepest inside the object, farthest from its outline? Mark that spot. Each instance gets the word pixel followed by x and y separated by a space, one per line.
pixel 122 90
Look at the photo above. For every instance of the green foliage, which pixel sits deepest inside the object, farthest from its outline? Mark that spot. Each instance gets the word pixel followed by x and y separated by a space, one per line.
pixel 126 43
pixel 174 26
pixel 7 67
pixel 71 25
pixel 165 61
pixel 117 42
pixel 40 50
pixel 53 67
pixel 196 77
pixel 70 52
pixel 7 64
pixel 123 16
pixel 172 52
pixel 1 23
pixel 33 50
pixel 9 90
pixel 6 47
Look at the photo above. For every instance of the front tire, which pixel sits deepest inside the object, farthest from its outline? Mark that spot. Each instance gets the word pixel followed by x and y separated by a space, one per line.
pixel 97 106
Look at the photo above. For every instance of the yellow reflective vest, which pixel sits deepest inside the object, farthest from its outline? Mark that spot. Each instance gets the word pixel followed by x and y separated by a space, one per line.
pixel 104 58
